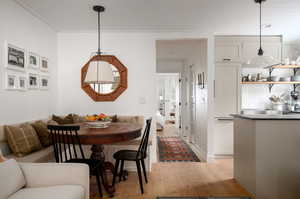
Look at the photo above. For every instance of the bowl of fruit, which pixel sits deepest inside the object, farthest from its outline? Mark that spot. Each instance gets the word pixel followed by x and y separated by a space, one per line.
pixel 98 121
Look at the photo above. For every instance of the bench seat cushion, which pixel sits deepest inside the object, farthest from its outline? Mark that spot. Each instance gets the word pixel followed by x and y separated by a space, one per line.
pixel 61 191
pixel 43 155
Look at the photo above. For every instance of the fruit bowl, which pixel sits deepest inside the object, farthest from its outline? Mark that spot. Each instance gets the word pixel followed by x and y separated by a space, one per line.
pixel 98 124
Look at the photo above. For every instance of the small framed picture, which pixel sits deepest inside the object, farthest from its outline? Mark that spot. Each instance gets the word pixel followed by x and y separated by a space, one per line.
pixel 44 64
pixel 11 81
pixel 44 83
pixel 33 60
pixel 22 83
pixel 33 81
pixel 14 57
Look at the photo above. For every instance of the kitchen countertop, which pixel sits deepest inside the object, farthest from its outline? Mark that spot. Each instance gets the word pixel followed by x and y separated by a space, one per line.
pixel 267 117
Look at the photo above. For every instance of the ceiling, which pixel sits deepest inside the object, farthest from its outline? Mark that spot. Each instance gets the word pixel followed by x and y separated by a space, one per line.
pixel 217 16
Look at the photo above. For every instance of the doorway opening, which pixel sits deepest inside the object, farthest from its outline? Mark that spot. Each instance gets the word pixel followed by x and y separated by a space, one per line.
pixel 168 113
pixel 180 92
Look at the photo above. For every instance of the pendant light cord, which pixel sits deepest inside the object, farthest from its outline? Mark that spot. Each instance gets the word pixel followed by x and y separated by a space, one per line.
pixel 260 25
pixel 260 51
pixel 99 50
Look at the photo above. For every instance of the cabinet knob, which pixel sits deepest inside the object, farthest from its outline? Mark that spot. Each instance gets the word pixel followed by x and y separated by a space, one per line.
pixel 226 59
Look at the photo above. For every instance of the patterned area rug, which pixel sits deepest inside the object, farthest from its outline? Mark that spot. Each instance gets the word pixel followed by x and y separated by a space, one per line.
pixel 202 198
pixel 174 149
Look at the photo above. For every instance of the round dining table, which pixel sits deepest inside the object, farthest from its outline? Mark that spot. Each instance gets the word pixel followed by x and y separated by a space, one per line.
pixel 98 137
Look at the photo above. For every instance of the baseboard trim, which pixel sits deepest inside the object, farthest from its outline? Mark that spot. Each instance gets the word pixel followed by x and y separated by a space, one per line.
pixel 199 152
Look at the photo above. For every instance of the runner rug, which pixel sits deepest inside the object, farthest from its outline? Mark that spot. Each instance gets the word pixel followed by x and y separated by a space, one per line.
pixel 174 149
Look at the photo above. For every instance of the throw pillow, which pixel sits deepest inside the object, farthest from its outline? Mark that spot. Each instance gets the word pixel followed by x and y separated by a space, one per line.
pixel 66 120
pixel 52 122
pixel 43 133
pixel 12 178
pixel 22 140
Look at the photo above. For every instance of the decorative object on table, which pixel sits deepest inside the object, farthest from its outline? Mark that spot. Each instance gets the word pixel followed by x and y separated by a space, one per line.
pixel 67 137
pixel 137 156
pixel 174 149
pixel 44 83
pixel 287 61
pixel 33 81
pixel 44 64
pixel 33 60
pixel 14 57
pixel 100 117
pixel 22 82
pixel 103 77
pixel 261 60
pixel 11 81
pixel 63 120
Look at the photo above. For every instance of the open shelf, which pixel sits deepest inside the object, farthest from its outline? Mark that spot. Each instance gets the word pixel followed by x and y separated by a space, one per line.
pixel 285 66
pixel 270 82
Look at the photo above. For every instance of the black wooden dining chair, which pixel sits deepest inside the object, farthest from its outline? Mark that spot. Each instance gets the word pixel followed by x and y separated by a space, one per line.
pixel 68 149
pixel 138 156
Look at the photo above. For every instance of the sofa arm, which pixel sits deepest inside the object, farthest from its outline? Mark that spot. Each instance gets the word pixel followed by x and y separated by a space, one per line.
pixel 51 174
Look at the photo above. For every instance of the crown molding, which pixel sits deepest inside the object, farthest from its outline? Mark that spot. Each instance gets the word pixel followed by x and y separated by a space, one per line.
pixel 34 13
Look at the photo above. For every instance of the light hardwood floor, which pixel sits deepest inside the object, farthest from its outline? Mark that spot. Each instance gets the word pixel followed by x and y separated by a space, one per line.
pixel 182 179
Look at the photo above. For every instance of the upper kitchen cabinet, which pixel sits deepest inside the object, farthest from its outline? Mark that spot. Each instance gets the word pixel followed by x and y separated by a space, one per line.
pixel 228 52
pixel 240 49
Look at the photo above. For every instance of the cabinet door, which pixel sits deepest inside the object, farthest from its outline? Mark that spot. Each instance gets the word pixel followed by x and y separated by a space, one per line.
pixel 228 52
pixel 250 50
pixel 226 90
pixel 223 137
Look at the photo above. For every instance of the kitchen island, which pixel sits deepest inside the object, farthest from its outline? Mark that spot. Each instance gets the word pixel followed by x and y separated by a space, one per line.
pixel 267 155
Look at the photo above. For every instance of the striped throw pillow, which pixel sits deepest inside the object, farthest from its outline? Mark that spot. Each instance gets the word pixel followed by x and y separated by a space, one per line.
pixel 22 140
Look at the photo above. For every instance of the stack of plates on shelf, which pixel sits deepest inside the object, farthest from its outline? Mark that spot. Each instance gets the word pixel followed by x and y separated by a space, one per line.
pixel 285 79
pixel 98 124
pixel 296 78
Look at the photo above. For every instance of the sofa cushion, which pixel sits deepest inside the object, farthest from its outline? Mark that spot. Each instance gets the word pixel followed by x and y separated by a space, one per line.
pixel 43 133
pixel 22 140
pixel 63 120
pixel 61 191
pixel 12 178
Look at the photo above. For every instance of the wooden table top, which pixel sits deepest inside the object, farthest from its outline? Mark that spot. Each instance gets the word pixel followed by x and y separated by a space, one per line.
pixel 116 132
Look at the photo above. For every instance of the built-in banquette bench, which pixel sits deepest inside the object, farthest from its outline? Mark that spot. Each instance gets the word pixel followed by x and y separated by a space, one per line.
pixel 46 153
pixel 43 155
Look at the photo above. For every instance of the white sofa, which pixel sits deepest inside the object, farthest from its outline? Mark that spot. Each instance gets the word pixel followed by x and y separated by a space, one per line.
pixel 43 180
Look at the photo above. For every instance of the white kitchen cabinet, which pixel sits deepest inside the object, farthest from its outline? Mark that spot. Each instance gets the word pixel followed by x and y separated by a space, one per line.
pixel 223 137
pixel 226 101
pixel 228 52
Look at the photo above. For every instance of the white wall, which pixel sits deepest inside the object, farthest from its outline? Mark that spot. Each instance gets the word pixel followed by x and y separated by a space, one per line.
pixel 24 30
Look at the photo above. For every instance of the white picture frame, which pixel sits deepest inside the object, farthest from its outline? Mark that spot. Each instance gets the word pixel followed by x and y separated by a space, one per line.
pixel 22 83
pixel 44 82
pixel 44 64
pixel 11 81
pixel 33 61
pixel 15 57
pixel 33 81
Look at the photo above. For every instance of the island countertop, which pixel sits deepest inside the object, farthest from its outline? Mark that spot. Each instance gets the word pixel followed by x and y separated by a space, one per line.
pixel 294 116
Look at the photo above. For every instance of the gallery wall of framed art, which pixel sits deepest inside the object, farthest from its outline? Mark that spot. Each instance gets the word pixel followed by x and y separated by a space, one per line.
pixel 24 69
